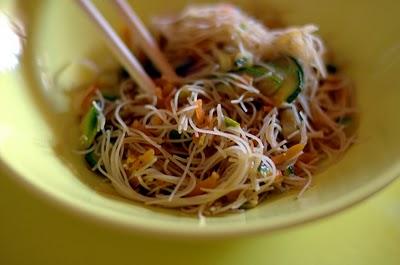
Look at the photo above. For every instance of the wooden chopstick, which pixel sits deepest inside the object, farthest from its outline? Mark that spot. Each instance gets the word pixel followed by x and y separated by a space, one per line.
pixel 118 47
pixel 144 39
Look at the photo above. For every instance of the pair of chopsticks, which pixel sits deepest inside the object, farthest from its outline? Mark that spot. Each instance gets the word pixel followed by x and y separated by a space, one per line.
pixel 122 52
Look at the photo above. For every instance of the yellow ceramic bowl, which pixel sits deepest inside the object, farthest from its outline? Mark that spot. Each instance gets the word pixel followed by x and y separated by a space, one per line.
pixel 34 146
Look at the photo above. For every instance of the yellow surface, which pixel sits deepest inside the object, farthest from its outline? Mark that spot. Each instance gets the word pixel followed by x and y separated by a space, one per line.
pixel 34 131
pixel 32 232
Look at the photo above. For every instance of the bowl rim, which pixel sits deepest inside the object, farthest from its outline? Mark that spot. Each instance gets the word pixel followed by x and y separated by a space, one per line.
pixel 233 230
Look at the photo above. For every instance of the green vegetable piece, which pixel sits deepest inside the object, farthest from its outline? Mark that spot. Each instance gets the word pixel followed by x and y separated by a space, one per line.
pixel 240 62
pixel 244 59
pixel 285 80
pixel 174 135
pixel 346 120
pixel 270 85
pixel 263 169
pixel 89 127
pixel 289 171
pixel 230 122
pixel 254 71
pixel 91 159
pixel 293 82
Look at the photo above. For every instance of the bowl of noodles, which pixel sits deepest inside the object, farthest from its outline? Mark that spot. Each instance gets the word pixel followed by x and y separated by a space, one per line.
pixel 276 117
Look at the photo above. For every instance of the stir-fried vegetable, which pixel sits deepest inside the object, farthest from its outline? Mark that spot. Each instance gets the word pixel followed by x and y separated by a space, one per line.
pixel 243 59
pixel 292 152
pixel 147 157
pixel 134 163
pixel 293 82
pixel 289 123
pixel 264 169
pixel 91 159
pixel 270 85
pixel 254 71
pixel 110 94
pixel 230 122
pixel 174 135
pixel 89 127
pixel 199 111
pixel 283 79
pixel 289 171
pixel 208 183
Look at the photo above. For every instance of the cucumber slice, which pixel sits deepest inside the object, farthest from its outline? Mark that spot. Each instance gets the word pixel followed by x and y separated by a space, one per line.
pixel 283 83
pixel 293 82
pixel 254 71
pixel 89 127
pixel 270 85
pixel 91 159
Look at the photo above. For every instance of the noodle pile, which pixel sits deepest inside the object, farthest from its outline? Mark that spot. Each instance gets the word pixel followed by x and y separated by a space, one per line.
pixel 214 143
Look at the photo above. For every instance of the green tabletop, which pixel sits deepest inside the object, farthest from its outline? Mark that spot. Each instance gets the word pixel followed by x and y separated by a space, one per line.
pixel 33 231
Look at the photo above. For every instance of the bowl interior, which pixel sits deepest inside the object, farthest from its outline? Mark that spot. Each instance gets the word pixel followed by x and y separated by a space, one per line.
pixel 35 126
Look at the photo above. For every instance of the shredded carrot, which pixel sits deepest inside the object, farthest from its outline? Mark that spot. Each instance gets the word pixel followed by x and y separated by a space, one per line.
pixel 129 161
pixel 141 160
pixel 209 122
pixel 159 93
pixel 165 86
pixel 289 154
pixel 267 108
pixel 199 111
pixel 147 156
pixel 139 126
pixel 231 196
pixel 155 120
pixel 208 183
pixel 148 146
